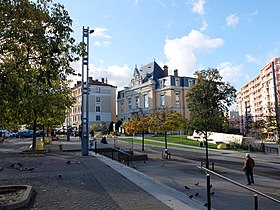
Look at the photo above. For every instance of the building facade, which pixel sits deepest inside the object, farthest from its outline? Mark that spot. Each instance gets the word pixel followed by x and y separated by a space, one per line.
pixel 258 99
pixel 102 103
pixel 152 88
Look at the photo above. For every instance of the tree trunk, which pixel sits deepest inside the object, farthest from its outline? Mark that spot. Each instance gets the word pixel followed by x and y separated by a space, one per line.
pixel 206 150
pixel 165 139
pixel 34 134
pixel 143 140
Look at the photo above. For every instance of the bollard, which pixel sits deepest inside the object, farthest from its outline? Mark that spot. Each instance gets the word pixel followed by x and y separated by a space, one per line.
pixel 212 166
pixel 95 145
pixel 256 201
pixel 208 192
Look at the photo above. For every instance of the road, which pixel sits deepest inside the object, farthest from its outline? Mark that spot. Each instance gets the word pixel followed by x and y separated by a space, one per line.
pixel 182 171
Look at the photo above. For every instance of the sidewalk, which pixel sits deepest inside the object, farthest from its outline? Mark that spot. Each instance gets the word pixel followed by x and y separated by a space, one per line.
pixel 68 180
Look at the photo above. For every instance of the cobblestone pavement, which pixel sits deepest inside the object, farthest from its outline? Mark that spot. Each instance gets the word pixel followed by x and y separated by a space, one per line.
pixel 68 180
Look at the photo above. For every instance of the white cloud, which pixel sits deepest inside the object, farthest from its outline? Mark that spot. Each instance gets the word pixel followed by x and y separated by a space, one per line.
pixel 204 25
pixel 250 59
pixel 232 20
pixel 181 52
pixel 97 43
pixel 101 32
pixel 119 76
pixel 169 24
pixel 198 6
pixel 250 16
pixel 230 73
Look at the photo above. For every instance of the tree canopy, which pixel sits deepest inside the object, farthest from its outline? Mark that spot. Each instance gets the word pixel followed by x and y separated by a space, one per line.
pixel 36 50
pixel 208 100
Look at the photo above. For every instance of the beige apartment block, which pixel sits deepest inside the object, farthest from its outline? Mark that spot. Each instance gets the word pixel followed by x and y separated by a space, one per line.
pixel 151 88
pixel 102 103
pixel 258 99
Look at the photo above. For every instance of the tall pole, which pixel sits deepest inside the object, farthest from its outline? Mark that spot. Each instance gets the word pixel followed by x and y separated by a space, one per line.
pixel 84 62
pixel 276 100
pixel 85 94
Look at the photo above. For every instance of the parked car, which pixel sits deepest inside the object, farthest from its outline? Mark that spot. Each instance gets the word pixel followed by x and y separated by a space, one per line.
pixel 24 133
pixel 6 134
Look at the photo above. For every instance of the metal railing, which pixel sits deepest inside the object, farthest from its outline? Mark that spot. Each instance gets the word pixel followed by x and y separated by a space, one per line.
pixel 235 183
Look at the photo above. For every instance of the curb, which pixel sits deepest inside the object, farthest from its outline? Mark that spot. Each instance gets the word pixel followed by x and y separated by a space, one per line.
pixel 24 200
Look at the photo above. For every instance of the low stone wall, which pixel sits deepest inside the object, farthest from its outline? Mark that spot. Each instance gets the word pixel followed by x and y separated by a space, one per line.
pixel 218 138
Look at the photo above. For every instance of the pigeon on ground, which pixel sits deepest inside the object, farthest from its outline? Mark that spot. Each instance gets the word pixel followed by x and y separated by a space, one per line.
pixel 197 183
pixel 190 196
pixel 212 193
pixel 196 194
pixel 1 169
pixel 59 175
pixel 16 165
pixel 186 187
pixel 205 204
pixel 29 169
pixel 68 162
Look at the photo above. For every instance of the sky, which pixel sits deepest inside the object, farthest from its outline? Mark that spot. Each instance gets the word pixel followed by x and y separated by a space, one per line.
pixel 238 37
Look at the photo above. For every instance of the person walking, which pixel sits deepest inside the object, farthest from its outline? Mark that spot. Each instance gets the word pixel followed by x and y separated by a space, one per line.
pixel 248 167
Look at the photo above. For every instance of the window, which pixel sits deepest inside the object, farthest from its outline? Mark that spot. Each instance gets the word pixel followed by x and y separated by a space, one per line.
pixel 97 108
pixel 177 99
pixel 162 100
pixel 98 99
pixel 190 83
pixel 98 118
pixel 98 89
pixel 121 107
pixel 129 105
pixel 146 101
pixel 137 102
pixel 177 82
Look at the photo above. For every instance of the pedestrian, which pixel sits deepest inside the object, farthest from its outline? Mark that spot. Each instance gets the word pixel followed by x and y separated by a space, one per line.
pixel 248 167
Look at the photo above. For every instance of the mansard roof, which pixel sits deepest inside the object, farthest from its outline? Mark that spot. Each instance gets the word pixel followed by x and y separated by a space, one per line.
pixel 151 71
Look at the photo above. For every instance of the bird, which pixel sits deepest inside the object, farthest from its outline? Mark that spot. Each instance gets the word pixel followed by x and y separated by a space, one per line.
pixel 196 183
pixel 196 194
pixel 212 193
pixel 16 165
pixel 68 162
pixel 205 204
pixel 78 162
pixel 190 196
pixel 1 168
pixel 29 169
pixel 210 186
pixel 59 175
pixel 186 187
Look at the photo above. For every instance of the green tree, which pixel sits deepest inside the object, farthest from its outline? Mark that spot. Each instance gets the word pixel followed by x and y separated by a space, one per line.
pixel 164 120
pixel 36 49
pixel 208 100
pixel 138 124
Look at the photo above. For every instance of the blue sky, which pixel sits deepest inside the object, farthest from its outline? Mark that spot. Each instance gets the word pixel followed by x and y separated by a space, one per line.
pixel 238 37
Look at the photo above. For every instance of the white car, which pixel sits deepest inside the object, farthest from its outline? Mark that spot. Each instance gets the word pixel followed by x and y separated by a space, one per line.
pixel 6 134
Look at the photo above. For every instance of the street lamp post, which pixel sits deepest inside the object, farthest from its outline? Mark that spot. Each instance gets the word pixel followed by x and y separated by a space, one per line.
pixel 276 100
pixel 85 91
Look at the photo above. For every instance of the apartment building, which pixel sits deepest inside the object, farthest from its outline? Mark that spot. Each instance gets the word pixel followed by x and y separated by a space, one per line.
pixel 102 103
pixel 152 88
pixel 259 98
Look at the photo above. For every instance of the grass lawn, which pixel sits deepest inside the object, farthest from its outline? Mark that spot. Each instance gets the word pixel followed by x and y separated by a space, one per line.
pixel 178 139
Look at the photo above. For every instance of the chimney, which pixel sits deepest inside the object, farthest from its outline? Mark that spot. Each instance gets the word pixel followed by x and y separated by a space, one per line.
pixel 102 80
pixel 90 79
pixel 176 72
pixel 165 70
pixel 106 81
